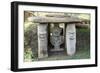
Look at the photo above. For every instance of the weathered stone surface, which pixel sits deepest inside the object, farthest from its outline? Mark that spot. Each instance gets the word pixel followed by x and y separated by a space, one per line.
pixel 42 41
pixel 80 23
pixel 56 15
pixel 57 20
pixel 71 39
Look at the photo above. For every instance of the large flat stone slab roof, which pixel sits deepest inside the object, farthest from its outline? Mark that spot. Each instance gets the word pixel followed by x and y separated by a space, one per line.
pixel 58 19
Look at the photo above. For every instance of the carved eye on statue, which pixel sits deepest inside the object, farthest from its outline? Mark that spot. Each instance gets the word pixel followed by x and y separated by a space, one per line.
pixel 42 36
pixel 71 38
pixel 72 34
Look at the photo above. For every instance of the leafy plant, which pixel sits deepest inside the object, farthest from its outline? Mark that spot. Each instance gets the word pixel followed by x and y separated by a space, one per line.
pixel 30 39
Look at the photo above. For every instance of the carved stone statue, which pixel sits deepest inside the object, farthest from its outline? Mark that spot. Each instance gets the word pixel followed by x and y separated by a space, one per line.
pixel 56 39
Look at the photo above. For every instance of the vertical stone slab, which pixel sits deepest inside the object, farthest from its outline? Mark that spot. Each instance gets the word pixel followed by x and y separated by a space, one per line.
pixel 71 39
pixel 42 41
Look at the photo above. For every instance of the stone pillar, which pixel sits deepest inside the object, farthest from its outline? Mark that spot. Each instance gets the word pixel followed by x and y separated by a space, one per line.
pixel 71 39
pixel 42 40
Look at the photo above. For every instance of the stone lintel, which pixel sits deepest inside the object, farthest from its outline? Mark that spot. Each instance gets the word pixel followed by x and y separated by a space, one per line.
pixel 67 20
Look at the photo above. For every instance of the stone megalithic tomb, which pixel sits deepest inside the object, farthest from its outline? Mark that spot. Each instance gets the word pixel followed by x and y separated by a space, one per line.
pixel 56 39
